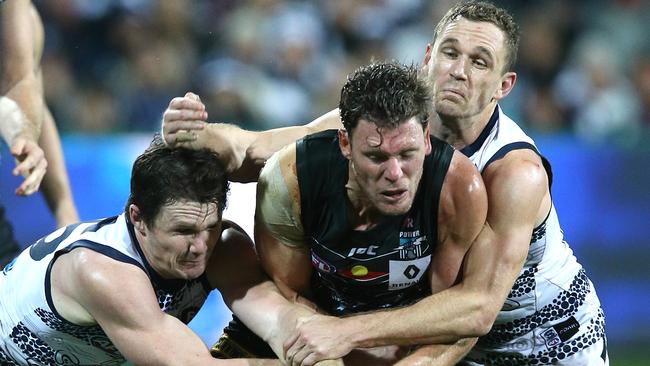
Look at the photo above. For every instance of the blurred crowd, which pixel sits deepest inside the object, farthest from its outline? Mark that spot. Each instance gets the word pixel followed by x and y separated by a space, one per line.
pixel 113 65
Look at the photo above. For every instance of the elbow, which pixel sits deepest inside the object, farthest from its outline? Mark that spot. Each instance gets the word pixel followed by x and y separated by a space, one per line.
pixel 258 153
pixel 483 317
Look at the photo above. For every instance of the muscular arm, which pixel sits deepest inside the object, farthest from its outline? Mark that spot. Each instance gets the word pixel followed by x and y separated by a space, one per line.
pixel 21 104
pixel 251 296
pixel 18 64
pixel 280 245
pixel 243 152
pixel 84 287
pixel 270 141
pixel 56 187
pixel 518 196
pixel 278 228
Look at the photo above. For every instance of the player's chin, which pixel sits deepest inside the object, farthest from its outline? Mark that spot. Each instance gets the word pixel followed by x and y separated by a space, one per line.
pixel 395 209
pixel 191 271
pixel 448 108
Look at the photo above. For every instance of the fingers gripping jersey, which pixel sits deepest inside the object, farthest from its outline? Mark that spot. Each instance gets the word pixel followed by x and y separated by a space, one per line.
pixel 365 270
pixel 31 330
pixel 552 312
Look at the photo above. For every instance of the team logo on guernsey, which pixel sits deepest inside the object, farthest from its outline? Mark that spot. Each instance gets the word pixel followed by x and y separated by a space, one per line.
pixel 403 274
pixel 321 265
pixel 410 244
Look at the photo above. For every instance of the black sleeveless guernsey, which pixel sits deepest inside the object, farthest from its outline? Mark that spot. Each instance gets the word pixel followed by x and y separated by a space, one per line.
pixel 357 271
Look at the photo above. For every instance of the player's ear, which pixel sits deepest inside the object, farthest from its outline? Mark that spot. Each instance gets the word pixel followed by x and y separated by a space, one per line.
pixel 344 143
pixel 136 219
pixel 427 55
pixel 507 83
pixel 427 140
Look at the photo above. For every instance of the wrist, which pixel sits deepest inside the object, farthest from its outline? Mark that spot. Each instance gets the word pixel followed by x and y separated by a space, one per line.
pixel 355 331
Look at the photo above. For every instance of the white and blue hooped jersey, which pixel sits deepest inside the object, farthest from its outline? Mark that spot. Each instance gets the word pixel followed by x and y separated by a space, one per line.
pixel 31 330
pixel 552 311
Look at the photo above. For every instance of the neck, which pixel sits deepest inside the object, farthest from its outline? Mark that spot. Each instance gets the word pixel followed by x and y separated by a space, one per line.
pixel 460 132
pixel 362 215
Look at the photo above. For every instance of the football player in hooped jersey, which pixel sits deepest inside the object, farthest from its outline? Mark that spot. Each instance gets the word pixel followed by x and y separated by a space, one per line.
pixel 123 288
pixel 522 288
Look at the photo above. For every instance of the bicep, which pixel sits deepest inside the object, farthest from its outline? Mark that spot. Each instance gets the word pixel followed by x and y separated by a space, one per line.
pixel 234 253
pixel 279 236
pixel 515 192
pixel 17 42
pixel 461 215
pixel 128 312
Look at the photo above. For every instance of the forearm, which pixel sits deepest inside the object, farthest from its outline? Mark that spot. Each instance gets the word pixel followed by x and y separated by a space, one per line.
pixel 229 141
pixel 26 95
pixel 465 310
pixel 55 186
pixel 439 354
pixel 270 141
pixel 12 121
pixel 267 313
pixel 442 318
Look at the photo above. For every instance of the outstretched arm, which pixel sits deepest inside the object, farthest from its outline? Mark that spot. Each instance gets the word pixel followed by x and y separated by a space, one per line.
pixel 56 186
pixel 84 287
pixel 251 296
pixel 20 93
pixel 243 152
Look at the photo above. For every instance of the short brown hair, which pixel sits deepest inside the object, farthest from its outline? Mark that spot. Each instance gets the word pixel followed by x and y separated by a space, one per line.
pixel 386 94
pixel 163 175
pixel 480 11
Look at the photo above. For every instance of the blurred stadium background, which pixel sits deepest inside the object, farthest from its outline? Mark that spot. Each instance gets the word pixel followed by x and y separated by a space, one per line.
pixel 111 67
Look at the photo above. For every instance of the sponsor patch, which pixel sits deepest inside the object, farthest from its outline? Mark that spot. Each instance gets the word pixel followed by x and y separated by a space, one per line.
pixel 321 265
pixel 567 328
pixel 403 274
pixel 368 251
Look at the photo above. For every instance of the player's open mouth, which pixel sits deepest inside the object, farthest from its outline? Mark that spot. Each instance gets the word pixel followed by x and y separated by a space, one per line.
pixel 395 195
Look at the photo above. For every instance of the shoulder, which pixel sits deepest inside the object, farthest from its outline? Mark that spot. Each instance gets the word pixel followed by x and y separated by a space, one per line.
pixel 233 241
pixel 95 272
pixel 86 279
pixel 279 169
pixel 463 178
pixel 463 198
pixel 233 254
pixel 92 268
pixel 278 183
pixel 517 169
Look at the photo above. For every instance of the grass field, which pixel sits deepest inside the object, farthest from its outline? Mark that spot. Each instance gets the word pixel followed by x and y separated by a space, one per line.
pixel 629 356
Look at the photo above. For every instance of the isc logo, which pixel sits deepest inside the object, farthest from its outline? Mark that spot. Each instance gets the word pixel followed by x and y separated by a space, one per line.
pixel 367 250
